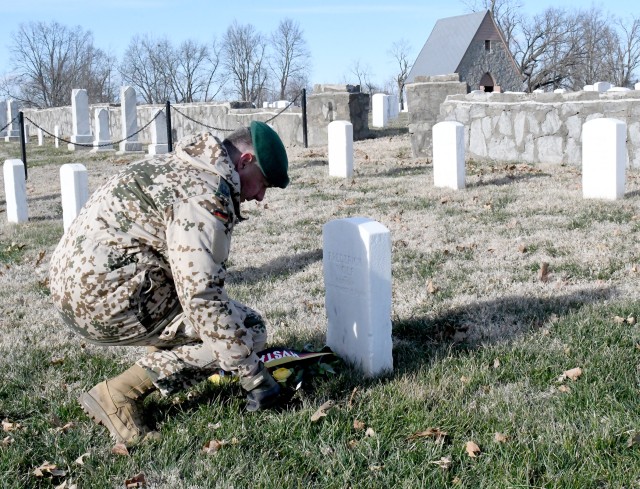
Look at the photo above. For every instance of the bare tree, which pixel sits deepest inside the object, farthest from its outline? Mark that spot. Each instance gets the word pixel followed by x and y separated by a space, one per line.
pixel 49 60
pixel 400 53
pixel 626 57
pixel 290 58
pixel 244 59
pixel 362 72
pixel 147 65
pixel 194 72
pixel 506 13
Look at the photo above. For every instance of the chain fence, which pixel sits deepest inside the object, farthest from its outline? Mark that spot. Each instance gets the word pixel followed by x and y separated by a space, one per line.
pixel 10 122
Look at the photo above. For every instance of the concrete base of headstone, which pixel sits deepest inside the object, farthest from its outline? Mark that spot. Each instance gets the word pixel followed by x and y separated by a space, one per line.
pixel 340 149
pixel 158 149
pixel 15 191
pixel 448 155
pixel 12 136
pixel 128 147
pixel 74 185
pixel 102 146
pixel 357 277
pixel 82 142
pixel 604 158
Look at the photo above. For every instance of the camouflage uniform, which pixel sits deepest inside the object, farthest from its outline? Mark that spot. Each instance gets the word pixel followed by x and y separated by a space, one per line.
pixel 144 264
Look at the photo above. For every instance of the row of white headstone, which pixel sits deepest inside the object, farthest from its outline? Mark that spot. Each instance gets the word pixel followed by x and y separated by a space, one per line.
pixel 356 266
pixel 81 137
pixel 596 87
pixel 604 156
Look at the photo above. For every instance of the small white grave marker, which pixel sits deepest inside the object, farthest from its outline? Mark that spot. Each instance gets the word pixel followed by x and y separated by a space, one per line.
pixel 56 132
pixel 159 143
pixel 102 142
pixel 380 109
pixel 340 149
pixel 448 155
pixel 601 86
pixel 604 157
pixel 40 136
pixel 15 191
pixel 74 185
pixel 357 277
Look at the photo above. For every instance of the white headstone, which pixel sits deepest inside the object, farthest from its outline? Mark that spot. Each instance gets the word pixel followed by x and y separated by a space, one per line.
pixel 80 123
pixel 13 130
pixel 538 90
pixel 40 136
pixel 560 90
pixel 601 86
pixel 3 118
pixel 380 110
pixel 265 105
pixel 74 185
pixel 159 143
pixel 129 115
pixel 27 130
pixel 340 149
pixel 448 155
pixel 15 191
pixel 604 158
pixel 588 88
pixel 56 132
pixel 102 141
pixel 394 107
pixel 357 278
pixel 637 86
pixel 281 104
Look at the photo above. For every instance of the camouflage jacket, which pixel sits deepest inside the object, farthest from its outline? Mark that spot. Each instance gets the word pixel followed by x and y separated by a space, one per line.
pixel 153 238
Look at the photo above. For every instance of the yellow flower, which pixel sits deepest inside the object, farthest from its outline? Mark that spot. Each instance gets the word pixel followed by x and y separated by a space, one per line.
pixel 282 374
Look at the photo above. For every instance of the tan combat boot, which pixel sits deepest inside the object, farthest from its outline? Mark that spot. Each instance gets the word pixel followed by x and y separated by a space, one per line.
pixel 114 403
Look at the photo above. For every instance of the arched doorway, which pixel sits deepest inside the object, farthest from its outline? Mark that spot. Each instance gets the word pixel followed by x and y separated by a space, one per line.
pixel 487 83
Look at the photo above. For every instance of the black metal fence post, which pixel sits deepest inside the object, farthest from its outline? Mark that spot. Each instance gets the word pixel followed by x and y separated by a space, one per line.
pixel 304 117
pixel 169 138
pixel 23 146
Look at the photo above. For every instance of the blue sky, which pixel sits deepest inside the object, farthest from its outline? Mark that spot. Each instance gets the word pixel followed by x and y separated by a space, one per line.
pixel 338 33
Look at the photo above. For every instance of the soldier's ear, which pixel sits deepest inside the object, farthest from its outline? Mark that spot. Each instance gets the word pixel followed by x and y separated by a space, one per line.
pixel 245 159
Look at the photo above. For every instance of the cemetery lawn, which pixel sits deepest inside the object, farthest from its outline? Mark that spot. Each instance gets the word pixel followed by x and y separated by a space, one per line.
pixel 516 342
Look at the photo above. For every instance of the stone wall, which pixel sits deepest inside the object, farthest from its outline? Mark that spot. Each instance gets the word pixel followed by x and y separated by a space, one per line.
pixel 326 104
pixel 477 61
pixel 424 98
pixel 539 127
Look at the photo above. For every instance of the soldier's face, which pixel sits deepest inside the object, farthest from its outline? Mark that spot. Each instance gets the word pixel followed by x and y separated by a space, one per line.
pixel 253 184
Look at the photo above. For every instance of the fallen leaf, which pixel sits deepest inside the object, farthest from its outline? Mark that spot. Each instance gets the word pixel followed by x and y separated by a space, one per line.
pixel 500 438
pixel 351 397
pixel 352 443
pixel 80 459
pixel 634 440
pixel 322 411
pixel 522 248
pixel 136 481
pixel 436 433
pixel 349 202
pixel 8 426
pixel 120 449
pixel 572 374
pixel 543 273
pixel 326 451
pixel 496 363
pixel 618 319
pixel 432 289
pixel 358 425
pixel 370 433
pixel 374 468
pixel 212 446
pixel 47 468
pixel 464 379
pixel 472 449
pixel 7 440
pixel 56 360
pixel 444 463
pixel 564 388
pixel 41 256
pixel 215 426
pixel 631 320
pixel 63 429
pixel 456 481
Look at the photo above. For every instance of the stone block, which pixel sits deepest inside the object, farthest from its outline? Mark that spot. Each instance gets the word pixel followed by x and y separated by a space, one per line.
pixel 74 186
pixel 380 110
pixel 357 277
pixel 448 155
pixel 15 191
pixel 340 149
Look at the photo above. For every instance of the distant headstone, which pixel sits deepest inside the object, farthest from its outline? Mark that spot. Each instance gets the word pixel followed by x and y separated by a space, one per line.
pixel 102 141
pixel 560 90
pixel 380 110
pixel 27 130
pixel 3 118
pixel 588 88
pixel 129 116
pixel 81 125
pixel 619 89
pixel 601 86
pixel 159 143
pixel 281 104
pixel 40 136
pixel 637 86
pixel 538 90
pixel 56 133
pixel 74 185
pixel 13 130
pixel 340 149
pixel 448 155
pixel 394 107
pixel 15 191
pixel 357 277
pixel 604 158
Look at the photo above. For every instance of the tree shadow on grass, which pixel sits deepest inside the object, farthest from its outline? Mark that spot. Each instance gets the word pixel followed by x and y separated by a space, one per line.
pixel 507 180
pixel 279 269
pixel 417 341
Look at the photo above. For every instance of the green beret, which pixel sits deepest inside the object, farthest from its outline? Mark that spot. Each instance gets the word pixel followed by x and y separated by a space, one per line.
pixel 272 157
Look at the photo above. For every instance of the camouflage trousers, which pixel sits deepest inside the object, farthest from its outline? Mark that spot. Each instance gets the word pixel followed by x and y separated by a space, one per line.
pixel 180 359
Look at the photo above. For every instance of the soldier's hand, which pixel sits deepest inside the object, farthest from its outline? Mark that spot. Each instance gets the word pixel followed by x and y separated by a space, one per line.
pixel 262 390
